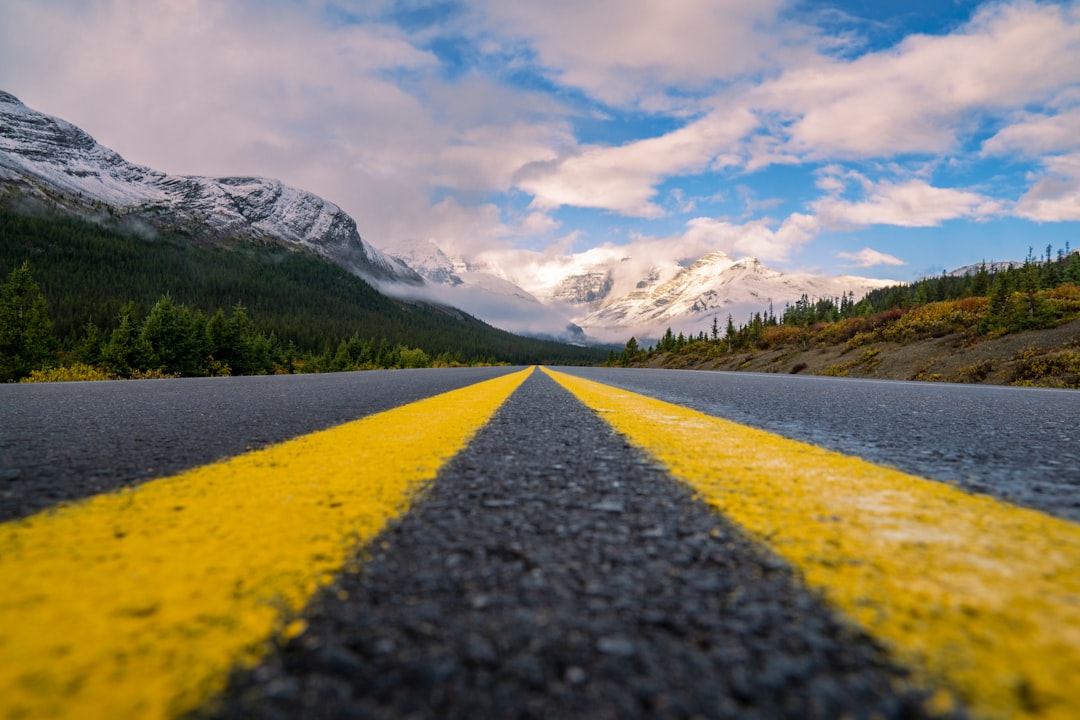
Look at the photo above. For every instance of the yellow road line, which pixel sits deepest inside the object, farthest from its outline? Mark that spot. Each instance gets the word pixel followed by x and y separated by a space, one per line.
pixel 136 604
pixel 978 597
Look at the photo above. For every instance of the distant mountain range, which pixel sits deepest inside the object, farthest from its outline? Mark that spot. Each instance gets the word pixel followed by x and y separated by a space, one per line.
pixel 613 299
pixel 44 159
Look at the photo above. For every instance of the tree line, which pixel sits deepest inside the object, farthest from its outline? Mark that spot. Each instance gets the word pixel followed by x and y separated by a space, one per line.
pixel 101 285
pixel 172 340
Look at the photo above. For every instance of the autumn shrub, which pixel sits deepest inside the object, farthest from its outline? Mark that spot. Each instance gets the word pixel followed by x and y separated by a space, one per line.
pixel 938 319
pixel 152 374
pixel 784 336
pixel 975 373
pixel 69 373
pixel 886 317
pixel 1064 300
pixel 1055 369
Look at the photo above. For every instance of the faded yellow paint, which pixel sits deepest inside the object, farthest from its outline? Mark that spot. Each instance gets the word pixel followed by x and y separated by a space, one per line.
pixel 978 597
pixel 136 604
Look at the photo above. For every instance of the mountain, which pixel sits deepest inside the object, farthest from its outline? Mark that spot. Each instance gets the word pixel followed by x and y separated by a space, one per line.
pixel 622 297
pixel 497 300
pixel 49 160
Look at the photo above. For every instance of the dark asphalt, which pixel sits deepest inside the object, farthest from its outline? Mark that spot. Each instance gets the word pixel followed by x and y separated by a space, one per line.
pixel 551 572
pixel 64 441
pixel 1016 444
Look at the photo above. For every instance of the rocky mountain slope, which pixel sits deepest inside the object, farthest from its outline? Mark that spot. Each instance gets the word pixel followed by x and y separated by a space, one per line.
pixel 46 159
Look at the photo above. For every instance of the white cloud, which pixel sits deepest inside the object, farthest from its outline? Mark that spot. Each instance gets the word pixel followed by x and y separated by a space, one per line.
pixel 756 238
pixel 913 203
pixel 623 178
pixel 1037 134
pixel 1055 196
pixel 921 97
pixel 634 52
pixel 915 98
pixel 868 257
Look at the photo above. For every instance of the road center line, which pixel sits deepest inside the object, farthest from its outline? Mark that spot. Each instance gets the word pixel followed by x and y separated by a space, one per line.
pixel 138 603
pixel 978 597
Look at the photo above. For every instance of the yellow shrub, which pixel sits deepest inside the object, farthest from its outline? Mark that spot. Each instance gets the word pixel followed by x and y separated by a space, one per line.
pixel 70 373
pixel 1064 299
pixel 938 319
pixel 154 374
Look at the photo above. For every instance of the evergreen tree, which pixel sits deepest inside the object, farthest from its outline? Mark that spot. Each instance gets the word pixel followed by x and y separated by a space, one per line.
pixel 27 341
pixel 90 349
pixel 126 352
pixel 169 334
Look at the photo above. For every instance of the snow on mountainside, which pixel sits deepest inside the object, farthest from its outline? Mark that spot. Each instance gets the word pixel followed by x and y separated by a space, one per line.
pixel 494 299
pixel 611 294
pixel 49 159
pixel 613 301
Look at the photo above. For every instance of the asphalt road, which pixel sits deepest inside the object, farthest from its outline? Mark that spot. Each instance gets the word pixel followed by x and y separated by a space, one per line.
pixel 64 441
pixel 551 570
pixel 67 440
pixel 1016 444
pixel 573 579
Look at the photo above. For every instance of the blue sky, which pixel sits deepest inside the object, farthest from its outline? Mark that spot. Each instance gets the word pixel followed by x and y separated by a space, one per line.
pixel 884 138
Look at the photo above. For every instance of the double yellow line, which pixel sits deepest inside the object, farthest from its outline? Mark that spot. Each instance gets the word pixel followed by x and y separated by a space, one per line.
pixel 139 603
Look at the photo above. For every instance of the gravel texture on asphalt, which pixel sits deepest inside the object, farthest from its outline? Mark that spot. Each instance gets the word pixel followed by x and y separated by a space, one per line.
pixel 551 571
pixel 65 441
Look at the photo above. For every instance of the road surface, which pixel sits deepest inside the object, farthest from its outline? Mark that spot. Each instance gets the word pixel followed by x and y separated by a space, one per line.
pixel 532 545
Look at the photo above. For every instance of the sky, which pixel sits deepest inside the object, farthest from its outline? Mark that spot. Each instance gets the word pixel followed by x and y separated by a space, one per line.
pixel 883 138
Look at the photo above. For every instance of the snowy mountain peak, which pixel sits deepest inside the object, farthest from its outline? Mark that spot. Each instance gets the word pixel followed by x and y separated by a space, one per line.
pixel 714 285
pixel 54 161
pixel 427 259
pixel 586 288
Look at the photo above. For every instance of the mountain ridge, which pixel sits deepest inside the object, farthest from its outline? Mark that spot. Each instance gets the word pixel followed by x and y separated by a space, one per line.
pixel 51 160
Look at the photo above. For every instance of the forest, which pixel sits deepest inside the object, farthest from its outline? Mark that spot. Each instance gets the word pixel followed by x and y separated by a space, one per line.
pixel 100 301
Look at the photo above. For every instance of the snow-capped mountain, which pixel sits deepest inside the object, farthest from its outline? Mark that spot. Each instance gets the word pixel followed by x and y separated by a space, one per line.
pixel 716 285
pixel 612 300
pixel 482 294
pixel 48 159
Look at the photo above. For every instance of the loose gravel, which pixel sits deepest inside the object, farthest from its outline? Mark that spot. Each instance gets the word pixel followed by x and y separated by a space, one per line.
pixel 551 571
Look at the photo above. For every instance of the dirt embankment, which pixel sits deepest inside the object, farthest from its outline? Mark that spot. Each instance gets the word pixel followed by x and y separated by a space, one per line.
pixel 1044 358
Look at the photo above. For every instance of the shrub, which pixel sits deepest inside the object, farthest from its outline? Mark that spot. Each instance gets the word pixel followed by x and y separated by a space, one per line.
pixel 938 319
pixel 69 373
pixel 1059 369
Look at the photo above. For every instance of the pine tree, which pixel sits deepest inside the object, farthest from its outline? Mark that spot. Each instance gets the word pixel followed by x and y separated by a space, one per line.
pixel 125 351
pixel 169 334
pixel 27 341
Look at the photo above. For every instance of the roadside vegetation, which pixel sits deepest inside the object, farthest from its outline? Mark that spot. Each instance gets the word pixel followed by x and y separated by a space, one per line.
pixel 1000 321
pixel 81 301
